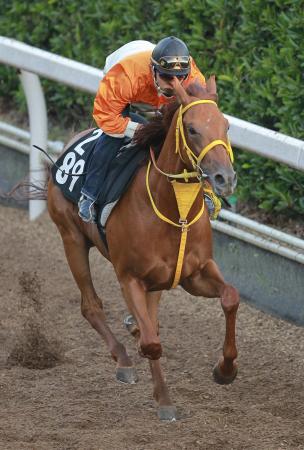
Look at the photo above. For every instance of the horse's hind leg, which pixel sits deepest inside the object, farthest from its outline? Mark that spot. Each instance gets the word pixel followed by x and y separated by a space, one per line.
pixel 166 410
pixel 77 253
pixel 210 283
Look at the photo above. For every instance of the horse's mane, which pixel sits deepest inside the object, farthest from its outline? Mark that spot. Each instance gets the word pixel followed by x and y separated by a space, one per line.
pixel 153 134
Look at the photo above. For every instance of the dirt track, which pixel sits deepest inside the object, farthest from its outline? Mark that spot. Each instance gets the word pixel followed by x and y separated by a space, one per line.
pixel 57 385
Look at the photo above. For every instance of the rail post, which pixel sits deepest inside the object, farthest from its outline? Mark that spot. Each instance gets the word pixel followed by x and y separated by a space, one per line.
pixel 38 128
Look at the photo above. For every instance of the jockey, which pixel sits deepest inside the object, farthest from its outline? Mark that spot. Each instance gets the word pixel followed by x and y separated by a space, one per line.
pixel 138 72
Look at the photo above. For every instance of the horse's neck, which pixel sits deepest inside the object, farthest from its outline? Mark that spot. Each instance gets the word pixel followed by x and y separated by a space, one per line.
pixel 168 160
pixel 161 188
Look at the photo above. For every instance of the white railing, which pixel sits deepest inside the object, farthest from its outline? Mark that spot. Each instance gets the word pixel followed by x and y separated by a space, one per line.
pixel 243 135
pixel 19 139
pixel 34 62
pixel 48 65
pixel 267 143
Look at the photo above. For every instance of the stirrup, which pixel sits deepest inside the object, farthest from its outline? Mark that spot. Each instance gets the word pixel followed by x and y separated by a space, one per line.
pixel 87 210
pixel 213 204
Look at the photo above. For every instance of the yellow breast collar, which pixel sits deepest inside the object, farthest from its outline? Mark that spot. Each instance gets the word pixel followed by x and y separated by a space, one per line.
pixel 185 194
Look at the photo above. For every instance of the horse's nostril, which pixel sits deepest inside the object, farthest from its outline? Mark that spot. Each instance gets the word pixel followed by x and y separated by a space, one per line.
pixel 219 179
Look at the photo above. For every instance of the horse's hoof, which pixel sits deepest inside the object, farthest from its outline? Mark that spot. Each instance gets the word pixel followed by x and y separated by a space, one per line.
pixel 126 375
pixel 224 379
pixel 131 324
pixel 168 413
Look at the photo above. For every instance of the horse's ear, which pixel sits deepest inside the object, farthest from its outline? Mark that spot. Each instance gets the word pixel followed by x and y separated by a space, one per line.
pixel 211 85
pixel 211 88
pixel 180 93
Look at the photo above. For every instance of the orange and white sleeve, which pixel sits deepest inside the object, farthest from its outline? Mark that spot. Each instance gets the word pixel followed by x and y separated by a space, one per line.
pixel 113 96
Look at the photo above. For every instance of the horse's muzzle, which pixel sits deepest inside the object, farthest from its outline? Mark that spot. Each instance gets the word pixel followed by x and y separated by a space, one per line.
pixel 223 182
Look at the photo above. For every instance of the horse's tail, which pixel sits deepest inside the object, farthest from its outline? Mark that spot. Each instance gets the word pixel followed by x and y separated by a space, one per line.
pixel 27 190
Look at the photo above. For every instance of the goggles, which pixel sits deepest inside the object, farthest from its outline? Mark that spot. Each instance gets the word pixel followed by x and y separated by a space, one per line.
pixel 173 62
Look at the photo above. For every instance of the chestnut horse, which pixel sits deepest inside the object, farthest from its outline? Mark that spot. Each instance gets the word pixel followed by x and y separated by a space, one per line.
pixel 144 247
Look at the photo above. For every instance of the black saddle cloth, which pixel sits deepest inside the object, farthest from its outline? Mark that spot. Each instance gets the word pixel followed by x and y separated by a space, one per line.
pixel 71 168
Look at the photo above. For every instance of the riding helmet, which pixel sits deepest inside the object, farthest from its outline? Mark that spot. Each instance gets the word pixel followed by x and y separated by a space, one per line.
pixel 171 57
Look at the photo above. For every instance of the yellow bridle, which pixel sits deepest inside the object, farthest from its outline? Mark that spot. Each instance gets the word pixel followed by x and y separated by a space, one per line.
pixel 185 194
pixel 180 130
pixel 195 160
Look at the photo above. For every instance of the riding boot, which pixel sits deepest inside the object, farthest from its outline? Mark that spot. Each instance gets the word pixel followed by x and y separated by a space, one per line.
pixel 210 206
pixel 212 201
pixel 105 151
pixel 87 210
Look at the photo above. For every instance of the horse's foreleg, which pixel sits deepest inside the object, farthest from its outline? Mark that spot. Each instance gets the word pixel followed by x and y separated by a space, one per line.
pixel 77 253
pixel 225 370
pixel 210 283
pixel 135 296
pixel 166 410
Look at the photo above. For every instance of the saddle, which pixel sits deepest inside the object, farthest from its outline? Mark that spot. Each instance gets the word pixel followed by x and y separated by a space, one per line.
pixel 71 167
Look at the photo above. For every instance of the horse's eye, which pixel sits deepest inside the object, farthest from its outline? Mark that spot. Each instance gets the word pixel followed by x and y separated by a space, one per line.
pixel 192 131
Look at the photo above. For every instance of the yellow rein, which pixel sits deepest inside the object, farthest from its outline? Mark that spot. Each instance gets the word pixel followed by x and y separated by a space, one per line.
pixel 185 193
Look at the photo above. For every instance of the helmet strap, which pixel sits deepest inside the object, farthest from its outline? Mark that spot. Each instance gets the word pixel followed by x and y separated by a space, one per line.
pixel 158 88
